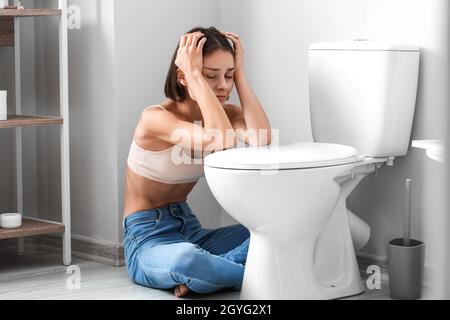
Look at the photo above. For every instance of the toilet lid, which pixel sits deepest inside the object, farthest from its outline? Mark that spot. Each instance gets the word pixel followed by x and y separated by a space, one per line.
pixel 293 156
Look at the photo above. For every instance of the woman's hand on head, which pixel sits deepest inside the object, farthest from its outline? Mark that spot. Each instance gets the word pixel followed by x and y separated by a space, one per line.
pixel 190 53
pixel 238 51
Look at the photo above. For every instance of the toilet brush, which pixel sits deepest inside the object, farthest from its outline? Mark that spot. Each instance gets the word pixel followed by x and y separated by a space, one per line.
pixel 407 226
pixel 406 259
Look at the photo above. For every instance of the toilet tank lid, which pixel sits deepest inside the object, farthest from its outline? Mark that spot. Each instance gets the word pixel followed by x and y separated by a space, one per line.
pixel 362 45
pixel 294 156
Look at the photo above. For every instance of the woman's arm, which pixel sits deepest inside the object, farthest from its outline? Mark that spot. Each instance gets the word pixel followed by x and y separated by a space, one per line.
pixel 190 62
pixel 214 116
pixel 252 116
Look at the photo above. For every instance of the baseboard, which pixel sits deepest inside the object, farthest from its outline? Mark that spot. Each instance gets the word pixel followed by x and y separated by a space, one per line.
pixel 87 248
pixel 376 259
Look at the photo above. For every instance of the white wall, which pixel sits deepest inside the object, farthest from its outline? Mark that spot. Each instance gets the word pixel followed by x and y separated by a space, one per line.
pixel 446 221
pixel 277 35
pixel 93 124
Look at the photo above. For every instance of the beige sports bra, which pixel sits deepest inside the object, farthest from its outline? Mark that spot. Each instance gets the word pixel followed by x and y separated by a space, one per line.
pixel 172 166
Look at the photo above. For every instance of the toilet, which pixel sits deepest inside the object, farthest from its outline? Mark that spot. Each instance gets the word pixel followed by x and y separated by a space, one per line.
pixel 292 198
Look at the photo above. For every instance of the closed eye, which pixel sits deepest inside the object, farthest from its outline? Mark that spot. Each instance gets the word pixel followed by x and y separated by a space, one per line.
pixel 214 77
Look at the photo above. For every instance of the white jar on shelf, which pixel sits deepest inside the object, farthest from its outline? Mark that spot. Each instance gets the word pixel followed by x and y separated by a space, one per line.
pixel 10 220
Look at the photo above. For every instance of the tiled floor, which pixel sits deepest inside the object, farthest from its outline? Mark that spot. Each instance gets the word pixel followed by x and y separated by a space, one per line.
pixel 41 275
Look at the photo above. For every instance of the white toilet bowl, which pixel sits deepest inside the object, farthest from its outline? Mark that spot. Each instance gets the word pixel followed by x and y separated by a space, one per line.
pixel 292 200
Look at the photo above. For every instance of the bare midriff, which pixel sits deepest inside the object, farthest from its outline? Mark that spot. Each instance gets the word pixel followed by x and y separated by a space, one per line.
pixel 143 194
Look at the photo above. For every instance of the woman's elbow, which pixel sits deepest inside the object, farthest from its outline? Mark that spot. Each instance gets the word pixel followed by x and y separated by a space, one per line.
pixel 221 140
pixel 264 138
pixel 267 142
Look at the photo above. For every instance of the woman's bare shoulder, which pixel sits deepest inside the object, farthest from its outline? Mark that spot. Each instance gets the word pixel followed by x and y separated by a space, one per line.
pixel 152 123
pixel 151 117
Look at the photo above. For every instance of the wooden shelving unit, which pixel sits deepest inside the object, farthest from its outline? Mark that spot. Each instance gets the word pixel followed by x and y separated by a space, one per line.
pixel 10 36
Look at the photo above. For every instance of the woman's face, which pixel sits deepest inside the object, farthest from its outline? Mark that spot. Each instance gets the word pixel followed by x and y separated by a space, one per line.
pixel 218 71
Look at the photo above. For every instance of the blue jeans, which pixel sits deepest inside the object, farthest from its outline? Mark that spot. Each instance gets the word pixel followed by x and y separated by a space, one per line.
pixel 167 246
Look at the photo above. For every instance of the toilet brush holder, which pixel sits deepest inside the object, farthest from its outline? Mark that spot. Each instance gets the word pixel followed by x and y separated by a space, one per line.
pixel 406 258
pixel 405 264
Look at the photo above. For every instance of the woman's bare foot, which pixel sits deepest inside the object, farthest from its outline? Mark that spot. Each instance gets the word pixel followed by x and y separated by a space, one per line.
pixel 181 290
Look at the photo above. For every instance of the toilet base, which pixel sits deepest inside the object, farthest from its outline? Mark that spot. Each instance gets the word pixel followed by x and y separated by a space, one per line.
pixel 318 264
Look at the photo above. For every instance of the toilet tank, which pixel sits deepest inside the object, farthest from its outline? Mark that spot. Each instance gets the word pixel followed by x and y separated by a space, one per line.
pixel 363 94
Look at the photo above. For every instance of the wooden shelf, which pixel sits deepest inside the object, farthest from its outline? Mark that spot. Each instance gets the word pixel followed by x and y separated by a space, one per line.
pixel 31 227
pixel 30 121
pixel 29 12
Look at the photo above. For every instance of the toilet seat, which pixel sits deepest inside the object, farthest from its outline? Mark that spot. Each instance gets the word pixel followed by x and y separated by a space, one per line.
pixel 294 156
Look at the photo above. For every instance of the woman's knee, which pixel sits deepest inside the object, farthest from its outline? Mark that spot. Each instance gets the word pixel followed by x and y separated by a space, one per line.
pixel 186 257
pixel 174 257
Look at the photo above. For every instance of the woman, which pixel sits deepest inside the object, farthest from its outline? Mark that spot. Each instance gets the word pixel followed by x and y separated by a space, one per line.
pixel 165 245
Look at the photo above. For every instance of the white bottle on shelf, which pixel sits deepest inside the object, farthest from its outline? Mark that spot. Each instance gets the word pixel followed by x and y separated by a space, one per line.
pixel 3 104
pixel 3 3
